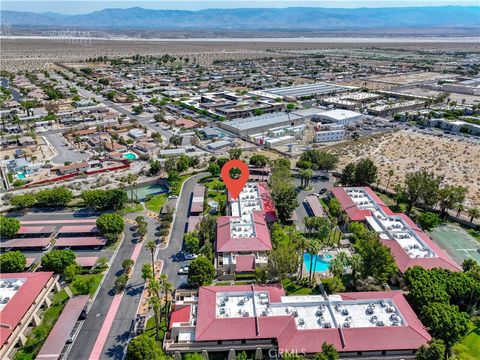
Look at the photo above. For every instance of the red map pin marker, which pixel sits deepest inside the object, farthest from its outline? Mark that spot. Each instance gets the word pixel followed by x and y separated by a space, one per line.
pixel 235 186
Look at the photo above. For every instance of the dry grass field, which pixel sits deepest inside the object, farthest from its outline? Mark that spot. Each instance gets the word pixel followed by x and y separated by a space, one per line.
pixel 408 151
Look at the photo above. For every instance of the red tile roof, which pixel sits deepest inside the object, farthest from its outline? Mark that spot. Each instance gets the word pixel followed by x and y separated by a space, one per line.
pixel 35 229
pixel 181 314
pixel 193 221
pixel 81 241
pixel 23 299
pixel 86 261
pixel 267 203
pixel 56 340
pixel 261 241
pixel 403 260
pixel 25 243
pixel 245 263
pixel 289 338
pixel 78 229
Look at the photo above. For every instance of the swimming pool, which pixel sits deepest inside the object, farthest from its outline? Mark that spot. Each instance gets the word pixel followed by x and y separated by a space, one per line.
pixel 321 265
pixel 21 175
pixel 130 156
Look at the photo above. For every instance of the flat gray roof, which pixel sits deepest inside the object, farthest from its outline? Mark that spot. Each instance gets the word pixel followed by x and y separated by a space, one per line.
pixel 306 90
pixel 263 120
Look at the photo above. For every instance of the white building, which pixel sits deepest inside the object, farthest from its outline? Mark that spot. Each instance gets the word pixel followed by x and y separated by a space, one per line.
pixel 329 135
pixel 340 117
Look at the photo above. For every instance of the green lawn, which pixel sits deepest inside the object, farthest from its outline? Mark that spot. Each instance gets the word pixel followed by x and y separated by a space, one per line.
pixel 96 278
pixel 293 289
pixel 155 204
pixel 40 333
pixel 132 208
pixel 176 185
pixel 150 327
pixel 470 345
pixel 215 191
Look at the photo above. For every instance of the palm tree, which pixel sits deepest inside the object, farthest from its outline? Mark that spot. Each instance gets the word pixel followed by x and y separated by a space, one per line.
pixel 459 209
pixel 314 248
pixel 309 224
pixel 302 245
pixel 154 288
pixel 155 304
pixel 390 174
pixel 167 288
pixel 474 213
pixel 151 246
pixel 355 264
pixel 338 265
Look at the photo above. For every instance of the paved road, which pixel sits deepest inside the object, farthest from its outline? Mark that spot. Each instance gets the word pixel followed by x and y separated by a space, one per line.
pixel 119 333
pixel 301 209
pixel 85 340
pixel 64 154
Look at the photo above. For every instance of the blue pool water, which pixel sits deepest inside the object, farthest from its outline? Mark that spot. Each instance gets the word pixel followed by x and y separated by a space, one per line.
pixel 21 175
pixel 130 156
pixel 321 265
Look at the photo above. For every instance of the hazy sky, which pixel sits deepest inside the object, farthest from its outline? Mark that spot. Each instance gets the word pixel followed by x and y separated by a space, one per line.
pixel 76 7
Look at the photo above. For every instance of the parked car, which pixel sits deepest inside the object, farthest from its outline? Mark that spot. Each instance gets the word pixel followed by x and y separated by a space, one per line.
pixel 189 256
pixel 183 270
pixel 173 197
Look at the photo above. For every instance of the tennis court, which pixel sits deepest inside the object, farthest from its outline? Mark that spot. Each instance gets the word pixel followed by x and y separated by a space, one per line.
pixel 456 242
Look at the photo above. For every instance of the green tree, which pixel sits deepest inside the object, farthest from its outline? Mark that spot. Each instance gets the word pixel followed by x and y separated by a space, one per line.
pixel 192 242
pixel 450 197
pixel 193 356
pixel 329 352
pixel 365 173
pixel 182 163
pixel 56 197
pixel 428 220
pixel 258 160
pixel 445 322
pixel 121 283
pixel 83 285
pixel 305 176
pixel 214 169
pixel 175 140
pixel 347 178
pixel 58 260
pixel 71 271
pixel 281 263
pixel 235 153
pixel 320 160
pixel 8 227
pixel 147 272
pixel 110 224
pixel 473 213
pixel 12 262
pixel 390 174
pixel 144 347
pixel 112 199
pixel 155 168
pixel 152 246
pixel 127 264
pixel 435 350
pixel 23 201
pixel 421 187
pixel 201 271
pixel 377 259
pixel 285 200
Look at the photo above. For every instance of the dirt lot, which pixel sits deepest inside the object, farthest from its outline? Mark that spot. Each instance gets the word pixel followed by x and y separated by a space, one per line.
pixel 407 151
pixel 29 54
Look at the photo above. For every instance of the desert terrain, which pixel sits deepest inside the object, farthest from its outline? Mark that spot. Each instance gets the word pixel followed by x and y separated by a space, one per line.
pixel 41 53
pixel 406 151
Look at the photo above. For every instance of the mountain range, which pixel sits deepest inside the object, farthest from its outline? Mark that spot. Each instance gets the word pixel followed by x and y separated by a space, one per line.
pixel 290 19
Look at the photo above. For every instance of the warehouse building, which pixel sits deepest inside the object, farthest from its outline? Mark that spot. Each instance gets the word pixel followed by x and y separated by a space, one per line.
pixel 339 117
pixel 302 91
pixel 259 124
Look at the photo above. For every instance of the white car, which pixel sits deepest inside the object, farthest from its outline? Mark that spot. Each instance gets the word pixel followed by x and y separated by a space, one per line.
pixel 173 197
pixel 183 271
pixel 189 256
